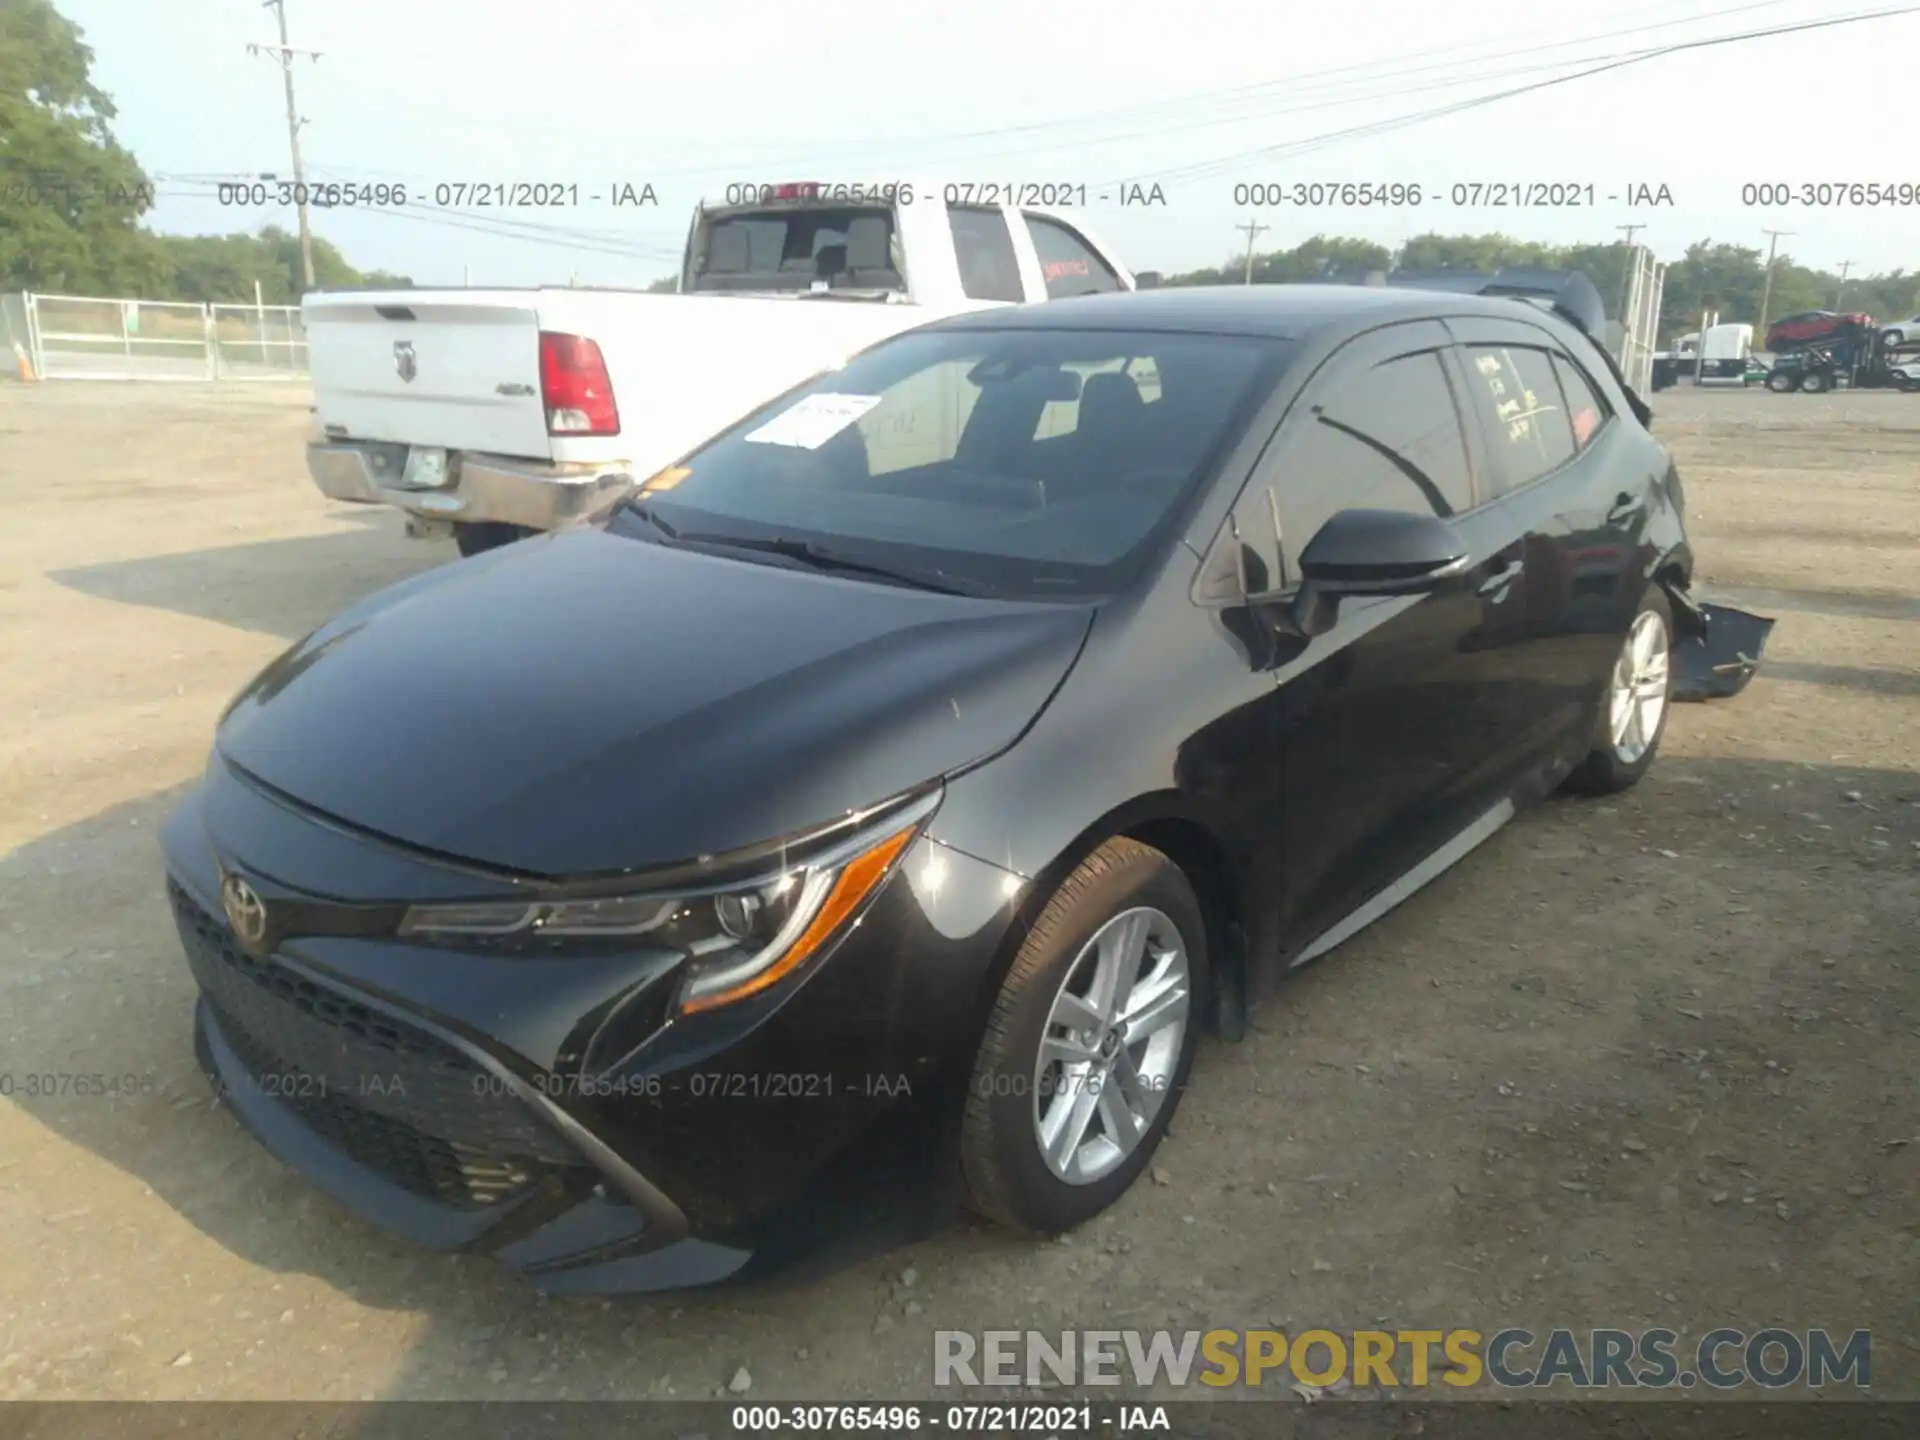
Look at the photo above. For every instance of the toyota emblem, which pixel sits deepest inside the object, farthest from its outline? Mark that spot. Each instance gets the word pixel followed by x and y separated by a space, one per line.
pixel 246 911
pixel 404 361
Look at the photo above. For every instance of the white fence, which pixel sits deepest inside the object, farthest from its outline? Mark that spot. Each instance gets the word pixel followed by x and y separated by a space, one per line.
pixel 87 337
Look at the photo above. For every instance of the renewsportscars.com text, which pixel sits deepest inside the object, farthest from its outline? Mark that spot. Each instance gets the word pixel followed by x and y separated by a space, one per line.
pixel 1772 1358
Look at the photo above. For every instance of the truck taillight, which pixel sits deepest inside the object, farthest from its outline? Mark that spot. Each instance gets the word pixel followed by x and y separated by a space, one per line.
pixel 575 387
pixel 797 190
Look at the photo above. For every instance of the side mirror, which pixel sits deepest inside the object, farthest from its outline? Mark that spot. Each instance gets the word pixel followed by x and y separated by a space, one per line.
pixel 1372 552
pixel 1146 280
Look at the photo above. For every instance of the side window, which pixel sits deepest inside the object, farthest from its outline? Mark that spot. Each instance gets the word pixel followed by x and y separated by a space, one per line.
pixel 1068 265
pixel 1584 403
pixel 989 269
pixel 1531 435
pixel 1388 439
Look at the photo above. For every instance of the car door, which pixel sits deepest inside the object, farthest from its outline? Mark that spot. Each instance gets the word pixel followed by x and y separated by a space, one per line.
pixel 1577 486
pixel 1381 737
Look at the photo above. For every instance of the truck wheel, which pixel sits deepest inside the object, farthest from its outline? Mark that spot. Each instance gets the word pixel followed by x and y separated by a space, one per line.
pixel 1782 383
pixel 1814 382
pixel 476 537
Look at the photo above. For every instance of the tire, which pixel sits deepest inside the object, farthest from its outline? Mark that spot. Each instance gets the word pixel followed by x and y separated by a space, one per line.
pixel 1782 383
pixel 476 537
pixel 1617 761
pixel 1815 382
pixel 1008 1177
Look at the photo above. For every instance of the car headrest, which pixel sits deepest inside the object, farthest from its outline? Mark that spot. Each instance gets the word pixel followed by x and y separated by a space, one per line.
pixel 1108 402
pixel 727 249
pixel 867 243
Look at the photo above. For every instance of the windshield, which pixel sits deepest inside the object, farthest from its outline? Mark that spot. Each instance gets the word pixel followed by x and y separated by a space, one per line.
pixel 790 247
pixel 1020 462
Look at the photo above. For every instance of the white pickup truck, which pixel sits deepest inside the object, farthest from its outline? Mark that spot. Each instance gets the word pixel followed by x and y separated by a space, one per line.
pixel 497 413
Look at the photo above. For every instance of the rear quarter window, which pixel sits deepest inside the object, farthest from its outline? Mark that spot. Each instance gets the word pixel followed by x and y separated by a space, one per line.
pixel 1530 435
pixel 1067 263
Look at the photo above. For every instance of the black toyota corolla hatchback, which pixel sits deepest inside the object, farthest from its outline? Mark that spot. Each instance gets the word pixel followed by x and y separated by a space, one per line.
pixel 866 817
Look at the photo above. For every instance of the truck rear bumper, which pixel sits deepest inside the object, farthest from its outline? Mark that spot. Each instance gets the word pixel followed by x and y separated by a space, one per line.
pixel 539 495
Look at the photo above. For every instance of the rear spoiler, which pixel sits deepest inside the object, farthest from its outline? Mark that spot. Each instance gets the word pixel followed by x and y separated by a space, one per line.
pixel 1567 293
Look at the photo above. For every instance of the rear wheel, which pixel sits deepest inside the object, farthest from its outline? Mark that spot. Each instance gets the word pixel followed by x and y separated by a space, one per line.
pixel 1089 1044
pixel 1815 381
pixel 1633 716
pixel 1781 382
pixel 476 537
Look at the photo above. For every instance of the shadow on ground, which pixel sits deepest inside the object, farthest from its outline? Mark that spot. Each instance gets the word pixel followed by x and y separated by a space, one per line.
pixel 95 983
pixel 276 587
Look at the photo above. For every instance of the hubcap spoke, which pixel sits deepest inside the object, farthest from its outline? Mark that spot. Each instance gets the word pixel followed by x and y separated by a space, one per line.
pixel 1127 1084
pixel 1116 1112
pixel 1166 1006
pixel 1067 1050
pixel 1075 1107
pixel 1074 1013
pixel 1120 949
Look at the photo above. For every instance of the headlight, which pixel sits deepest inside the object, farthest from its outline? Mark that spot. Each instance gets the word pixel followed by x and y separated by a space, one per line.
pixel 738 939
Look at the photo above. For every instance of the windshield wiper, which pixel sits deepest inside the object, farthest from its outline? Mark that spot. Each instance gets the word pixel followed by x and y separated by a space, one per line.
pixel 635 506
pixel 818 557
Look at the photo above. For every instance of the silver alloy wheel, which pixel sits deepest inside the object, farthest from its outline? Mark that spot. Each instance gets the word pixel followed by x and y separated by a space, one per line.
pixel 1638 696
pixel 1111 1046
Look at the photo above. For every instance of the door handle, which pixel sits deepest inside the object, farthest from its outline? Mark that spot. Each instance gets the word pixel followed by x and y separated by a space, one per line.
pixel 1501 581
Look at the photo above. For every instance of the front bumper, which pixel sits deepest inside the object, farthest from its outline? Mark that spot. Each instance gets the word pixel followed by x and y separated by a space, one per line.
pixel 497 488
pixel 499 1105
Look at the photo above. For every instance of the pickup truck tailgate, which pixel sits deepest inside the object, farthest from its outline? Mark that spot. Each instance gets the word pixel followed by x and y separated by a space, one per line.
pixel 461 371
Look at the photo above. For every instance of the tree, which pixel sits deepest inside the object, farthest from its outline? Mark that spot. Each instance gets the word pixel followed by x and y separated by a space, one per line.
pixel 1729 279
pixel 224 267
pixel 74 194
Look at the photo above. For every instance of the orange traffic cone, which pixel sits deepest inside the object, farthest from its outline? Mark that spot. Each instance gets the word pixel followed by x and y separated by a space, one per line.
pixel 26 365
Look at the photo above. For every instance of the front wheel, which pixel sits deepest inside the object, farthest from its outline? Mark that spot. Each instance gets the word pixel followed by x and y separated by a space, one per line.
pixel 476 537
pixel 1089 1043
pixel 1639 693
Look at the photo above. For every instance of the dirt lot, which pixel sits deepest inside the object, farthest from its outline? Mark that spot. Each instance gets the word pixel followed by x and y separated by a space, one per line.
pixel 1648 1061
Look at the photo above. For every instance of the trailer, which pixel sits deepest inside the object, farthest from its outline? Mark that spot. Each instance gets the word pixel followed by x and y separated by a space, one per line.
pixel 1858 361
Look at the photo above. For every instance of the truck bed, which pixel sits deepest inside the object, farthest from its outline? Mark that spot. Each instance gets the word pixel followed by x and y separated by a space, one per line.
pixel 460 368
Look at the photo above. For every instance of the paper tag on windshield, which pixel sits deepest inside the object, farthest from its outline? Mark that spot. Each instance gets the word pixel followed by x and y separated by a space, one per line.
pixel 812 421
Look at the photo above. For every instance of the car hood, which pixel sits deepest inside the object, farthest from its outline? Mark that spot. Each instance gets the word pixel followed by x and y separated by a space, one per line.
pixel 584 703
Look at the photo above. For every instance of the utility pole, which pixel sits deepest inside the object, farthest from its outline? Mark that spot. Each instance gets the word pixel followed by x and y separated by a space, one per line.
pixel 1253 231
pixel 1766 293
pixel 286 52
pixel 1845 265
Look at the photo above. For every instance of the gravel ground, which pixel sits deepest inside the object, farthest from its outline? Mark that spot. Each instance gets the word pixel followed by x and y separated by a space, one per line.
pixel 1636 1062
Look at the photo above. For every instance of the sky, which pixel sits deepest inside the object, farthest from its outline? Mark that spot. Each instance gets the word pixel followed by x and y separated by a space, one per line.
pixel 1200 98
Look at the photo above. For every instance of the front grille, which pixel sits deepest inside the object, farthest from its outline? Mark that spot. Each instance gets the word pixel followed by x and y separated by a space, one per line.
pixel 395 1098
pixel 432 1168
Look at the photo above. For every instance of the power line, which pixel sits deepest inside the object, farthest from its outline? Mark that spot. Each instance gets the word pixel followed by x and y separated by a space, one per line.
pixel 1316 142
pixel 499 228
pixel 1377 82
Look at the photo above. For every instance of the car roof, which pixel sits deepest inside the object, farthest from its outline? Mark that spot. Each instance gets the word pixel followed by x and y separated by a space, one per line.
pixel 1278 312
